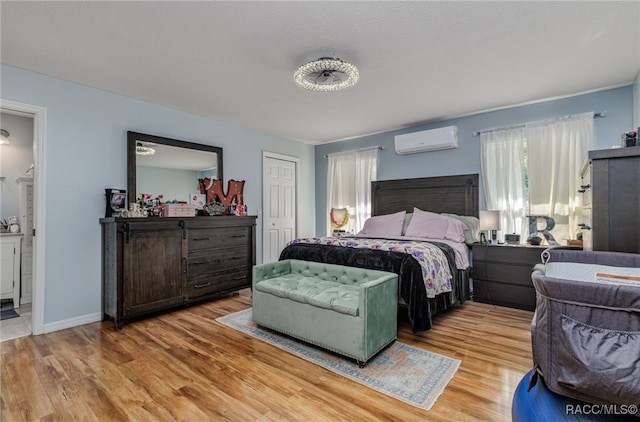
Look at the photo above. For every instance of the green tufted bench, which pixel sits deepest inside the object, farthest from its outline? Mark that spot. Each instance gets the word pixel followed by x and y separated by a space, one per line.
pixel 348 310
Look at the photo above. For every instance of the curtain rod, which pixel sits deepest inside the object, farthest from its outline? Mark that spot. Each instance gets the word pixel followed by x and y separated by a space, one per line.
pixel 477 133
pixel 381 147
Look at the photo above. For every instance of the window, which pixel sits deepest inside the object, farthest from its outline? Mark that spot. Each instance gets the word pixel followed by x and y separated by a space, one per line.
pixel 349 177
pixel 534 170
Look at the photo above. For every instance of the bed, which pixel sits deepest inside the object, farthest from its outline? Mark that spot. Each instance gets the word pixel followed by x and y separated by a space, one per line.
pixel 455 196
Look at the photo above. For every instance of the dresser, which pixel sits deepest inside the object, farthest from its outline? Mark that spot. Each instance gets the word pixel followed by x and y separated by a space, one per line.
pixel 155 264
pixel 610 189
pixel 502 274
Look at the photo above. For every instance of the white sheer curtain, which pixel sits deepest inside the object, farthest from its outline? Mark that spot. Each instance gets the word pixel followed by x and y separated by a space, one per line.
pixel 503 170
pixel 349 177
pixel 556 151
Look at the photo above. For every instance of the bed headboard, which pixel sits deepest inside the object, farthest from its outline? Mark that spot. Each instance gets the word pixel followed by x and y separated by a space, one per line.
pixel 450 194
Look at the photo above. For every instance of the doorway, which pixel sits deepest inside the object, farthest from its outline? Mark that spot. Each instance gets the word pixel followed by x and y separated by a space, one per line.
pixel 279 187
pixel 30 181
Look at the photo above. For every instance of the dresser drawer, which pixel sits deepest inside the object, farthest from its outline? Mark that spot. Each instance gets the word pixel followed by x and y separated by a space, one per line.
pixel 216 260
pixel 227 281
pixel 199 239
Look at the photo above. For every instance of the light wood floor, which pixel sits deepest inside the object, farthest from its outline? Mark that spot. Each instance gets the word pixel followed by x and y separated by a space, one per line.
pixel 186 366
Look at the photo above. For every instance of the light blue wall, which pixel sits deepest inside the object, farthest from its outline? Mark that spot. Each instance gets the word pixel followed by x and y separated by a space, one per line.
pixel 466 158
pixel 86 153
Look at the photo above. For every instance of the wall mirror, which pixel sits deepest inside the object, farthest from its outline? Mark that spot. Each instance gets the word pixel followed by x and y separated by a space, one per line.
pixel 168 167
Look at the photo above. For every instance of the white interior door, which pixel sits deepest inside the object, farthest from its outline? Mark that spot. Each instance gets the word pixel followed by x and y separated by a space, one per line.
pixel 279 204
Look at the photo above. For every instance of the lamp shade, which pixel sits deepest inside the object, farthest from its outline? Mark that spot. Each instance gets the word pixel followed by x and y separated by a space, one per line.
pixel 489 220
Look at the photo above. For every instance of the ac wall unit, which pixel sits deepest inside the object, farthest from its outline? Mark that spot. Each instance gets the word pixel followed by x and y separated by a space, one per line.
pixel 427 140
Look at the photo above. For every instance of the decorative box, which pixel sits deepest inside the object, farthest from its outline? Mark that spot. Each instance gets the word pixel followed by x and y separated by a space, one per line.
pixel 214 208
pixel 178 210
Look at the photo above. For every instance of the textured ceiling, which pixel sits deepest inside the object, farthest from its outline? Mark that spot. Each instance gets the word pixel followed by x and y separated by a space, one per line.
pixel 419 62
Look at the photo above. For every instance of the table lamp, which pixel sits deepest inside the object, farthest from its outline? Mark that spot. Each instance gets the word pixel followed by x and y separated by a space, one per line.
pixel 339 218
pixel 490 221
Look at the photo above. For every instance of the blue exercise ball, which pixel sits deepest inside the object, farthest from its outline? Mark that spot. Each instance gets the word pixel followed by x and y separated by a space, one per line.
pixel 540 404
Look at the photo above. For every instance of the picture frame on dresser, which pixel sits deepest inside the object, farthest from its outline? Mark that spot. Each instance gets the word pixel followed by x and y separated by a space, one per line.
pixel 116 201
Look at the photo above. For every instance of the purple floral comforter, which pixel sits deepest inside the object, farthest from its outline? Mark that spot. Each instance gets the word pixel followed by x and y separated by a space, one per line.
pixel 435 267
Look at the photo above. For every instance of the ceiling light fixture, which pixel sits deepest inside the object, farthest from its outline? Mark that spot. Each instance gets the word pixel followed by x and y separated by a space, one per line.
pixel 144 149
pixel 4 137
pixel 326 74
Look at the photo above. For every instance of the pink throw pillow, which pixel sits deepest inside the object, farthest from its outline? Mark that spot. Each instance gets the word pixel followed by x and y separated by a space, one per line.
pixel 435 226
pixel 427 224
pixel 388 225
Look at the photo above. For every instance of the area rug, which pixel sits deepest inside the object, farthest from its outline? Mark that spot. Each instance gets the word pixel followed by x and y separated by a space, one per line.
pixel 409 374
pixel 8 314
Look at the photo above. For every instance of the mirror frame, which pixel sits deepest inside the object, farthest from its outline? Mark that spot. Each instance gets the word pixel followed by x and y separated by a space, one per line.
pixel 133 137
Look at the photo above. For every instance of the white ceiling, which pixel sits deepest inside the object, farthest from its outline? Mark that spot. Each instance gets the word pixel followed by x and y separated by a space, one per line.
pixel 419 62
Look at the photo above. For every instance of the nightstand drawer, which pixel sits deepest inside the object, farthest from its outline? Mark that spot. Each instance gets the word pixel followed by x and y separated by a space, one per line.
pixel 519 297
pixel 518 274
pixel 519 255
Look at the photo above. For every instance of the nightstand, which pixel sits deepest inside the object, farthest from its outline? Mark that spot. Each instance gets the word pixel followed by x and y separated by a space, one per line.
pixel 502 274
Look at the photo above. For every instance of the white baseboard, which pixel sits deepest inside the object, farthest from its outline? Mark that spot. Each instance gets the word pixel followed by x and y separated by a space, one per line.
pixel 72 322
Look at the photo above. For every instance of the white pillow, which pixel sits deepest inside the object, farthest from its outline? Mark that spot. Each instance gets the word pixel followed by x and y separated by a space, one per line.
pixel 472 234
